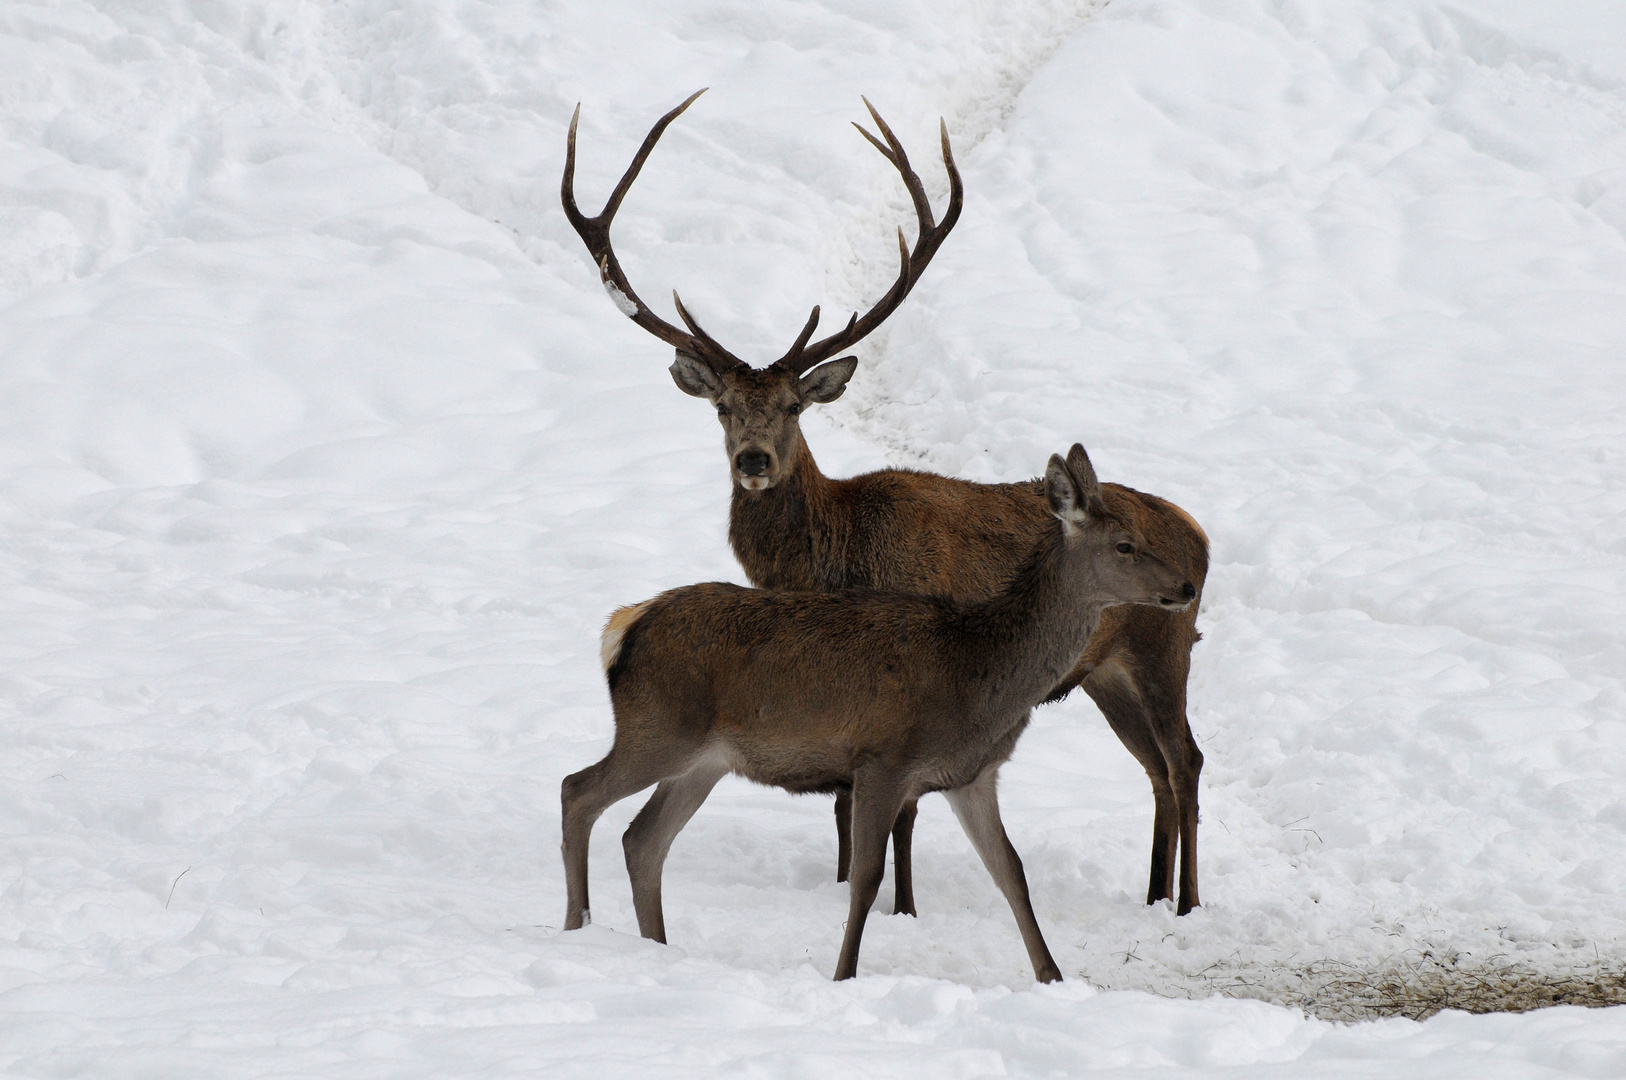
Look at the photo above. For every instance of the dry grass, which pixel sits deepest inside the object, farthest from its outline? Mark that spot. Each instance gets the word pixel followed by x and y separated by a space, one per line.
pixel 1419 984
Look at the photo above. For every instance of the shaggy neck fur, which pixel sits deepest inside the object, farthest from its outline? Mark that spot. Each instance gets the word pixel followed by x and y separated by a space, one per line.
pixel 773 532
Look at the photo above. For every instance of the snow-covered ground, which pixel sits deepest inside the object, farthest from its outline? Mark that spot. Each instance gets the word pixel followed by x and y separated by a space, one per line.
pixel 323 456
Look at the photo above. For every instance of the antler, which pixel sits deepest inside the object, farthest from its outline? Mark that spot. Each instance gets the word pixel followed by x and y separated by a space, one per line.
pixel 803 356
pixel 595 233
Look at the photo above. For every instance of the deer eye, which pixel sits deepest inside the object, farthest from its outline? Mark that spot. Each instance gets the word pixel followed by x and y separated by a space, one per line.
pixel 722 410
pixel 1126 549
pixel 795 408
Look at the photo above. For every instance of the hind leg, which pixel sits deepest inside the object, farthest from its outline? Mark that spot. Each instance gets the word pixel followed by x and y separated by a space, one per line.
pixel 1165 701
pixel 649 838
pixel 1115 694
pixel 1148 714
pixel 585 795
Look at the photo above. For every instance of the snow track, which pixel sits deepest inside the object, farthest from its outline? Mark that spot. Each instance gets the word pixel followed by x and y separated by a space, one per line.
pixel 323 457
pixel 1375 243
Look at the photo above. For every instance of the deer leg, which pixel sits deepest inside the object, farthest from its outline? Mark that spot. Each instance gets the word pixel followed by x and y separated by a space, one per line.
pixel 1166 707
pixel 1115 694
pixel 583 796
pixel 1190 768
pixel 844 833
pixel 1165 842
pixel 977 807
pixel 877 799
pixel 649 838
pixel 903 834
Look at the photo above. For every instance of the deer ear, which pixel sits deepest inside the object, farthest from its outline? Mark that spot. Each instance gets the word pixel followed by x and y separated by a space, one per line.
pixel 827 382
pixel 695 377
pixel 1089 488
pixel 1061 493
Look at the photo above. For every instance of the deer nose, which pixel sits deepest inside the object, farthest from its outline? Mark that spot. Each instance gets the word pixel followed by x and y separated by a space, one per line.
pixel 751 462
pixel 1188 590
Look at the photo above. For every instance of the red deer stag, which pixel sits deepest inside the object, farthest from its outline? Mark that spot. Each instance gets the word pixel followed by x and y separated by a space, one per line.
pixel 794 528
pixel 885 695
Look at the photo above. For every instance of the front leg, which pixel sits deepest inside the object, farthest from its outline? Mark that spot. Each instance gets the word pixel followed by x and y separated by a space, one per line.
pixel 977 807
pixel 844 833
pixel 903 833
pixel 877 798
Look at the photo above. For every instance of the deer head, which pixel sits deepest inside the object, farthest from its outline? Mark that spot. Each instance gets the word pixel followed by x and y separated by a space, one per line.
pixel 760 408
pixel 1123 566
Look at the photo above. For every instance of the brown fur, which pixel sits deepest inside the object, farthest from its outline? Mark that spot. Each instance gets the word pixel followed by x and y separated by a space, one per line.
pixel 795 528
pixel 916 531
pixel 886 695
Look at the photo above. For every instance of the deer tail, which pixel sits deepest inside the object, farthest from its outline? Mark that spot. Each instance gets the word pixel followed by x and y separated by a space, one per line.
pixel 622 620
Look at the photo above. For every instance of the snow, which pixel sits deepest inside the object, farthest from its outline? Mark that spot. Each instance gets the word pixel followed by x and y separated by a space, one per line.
pixel 323 457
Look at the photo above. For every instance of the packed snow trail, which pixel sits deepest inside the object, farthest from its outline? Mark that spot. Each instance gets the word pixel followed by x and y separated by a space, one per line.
pixel 324 456
pixel 1351 289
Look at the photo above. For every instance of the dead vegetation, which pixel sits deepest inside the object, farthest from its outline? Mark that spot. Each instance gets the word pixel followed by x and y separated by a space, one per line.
pixel 1419 984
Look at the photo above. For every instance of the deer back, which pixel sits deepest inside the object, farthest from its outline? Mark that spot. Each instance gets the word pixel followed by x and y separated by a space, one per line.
pixel 794 685
pixel 921 532
pixel 893 529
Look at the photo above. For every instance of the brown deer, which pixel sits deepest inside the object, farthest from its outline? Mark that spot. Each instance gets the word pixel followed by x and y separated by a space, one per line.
pixel 884 695
pixel 794 528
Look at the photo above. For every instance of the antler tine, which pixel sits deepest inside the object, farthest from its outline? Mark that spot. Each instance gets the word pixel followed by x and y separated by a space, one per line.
pixel 885 150
pixel 638 159
pixel 900 159
pixel 689 321
pixel 807 331
pixel 595 233
pixel 956 188
pixel 802 356
pixel 567 186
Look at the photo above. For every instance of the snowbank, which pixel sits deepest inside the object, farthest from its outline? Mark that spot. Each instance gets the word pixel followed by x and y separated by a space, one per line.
pixel 323 457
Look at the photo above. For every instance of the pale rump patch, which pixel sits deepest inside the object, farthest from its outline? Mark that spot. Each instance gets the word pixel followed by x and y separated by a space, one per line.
pixel 1193 523
pixel 621 620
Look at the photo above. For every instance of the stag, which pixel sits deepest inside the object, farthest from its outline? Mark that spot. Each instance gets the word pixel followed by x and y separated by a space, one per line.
pixel 884 695
pixel 793 528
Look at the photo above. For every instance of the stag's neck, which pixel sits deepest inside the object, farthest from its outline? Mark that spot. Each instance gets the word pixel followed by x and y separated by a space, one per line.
pixel 1024 641
pixel 774 532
